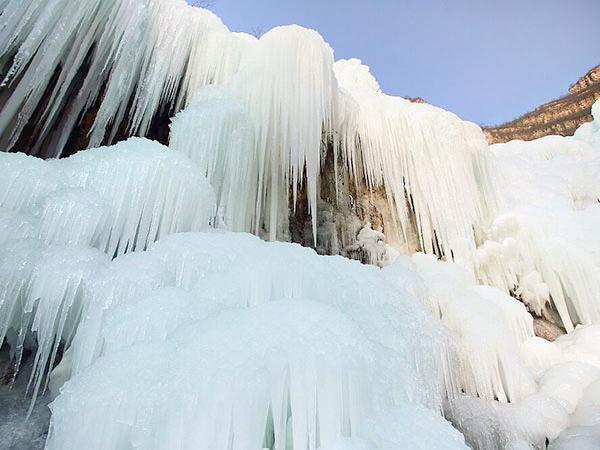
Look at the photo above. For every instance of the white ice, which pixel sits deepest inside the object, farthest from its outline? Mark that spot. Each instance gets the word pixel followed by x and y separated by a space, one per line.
pixel 189 339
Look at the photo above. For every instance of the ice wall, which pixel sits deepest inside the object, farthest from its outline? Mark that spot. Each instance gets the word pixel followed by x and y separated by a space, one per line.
pixel 438 184
pixel 543 245
pixel 279 95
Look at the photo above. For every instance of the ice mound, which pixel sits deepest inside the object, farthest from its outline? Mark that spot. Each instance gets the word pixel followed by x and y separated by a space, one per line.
pixel 117 199
pixel 52 214
pixel 403 427
pixel 226 270
pixel 217 339
pixel 220 339
pixel 562 408
pixel 246 379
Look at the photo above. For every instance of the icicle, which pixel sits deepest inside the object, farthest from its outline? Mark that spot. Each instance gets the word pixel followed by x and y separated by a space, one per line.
pixel 56 299
pixel 488 326
pixel 40 292
pixel 421 153
pixel 140 50
pixel 127 278
pixel 117 199
pixel 151 192
pixel 278 106
pixel 216 134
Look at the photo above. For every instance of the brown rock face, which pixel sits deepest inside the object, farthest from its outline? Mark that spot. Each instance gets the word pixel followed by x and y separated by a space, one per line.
pixel 415 99
pixel 562 116
pixel 546 329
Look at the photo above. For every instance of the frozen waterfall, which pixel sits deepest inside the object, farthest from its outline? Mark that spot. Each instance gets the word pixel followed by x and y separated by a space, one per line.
pixel 156 316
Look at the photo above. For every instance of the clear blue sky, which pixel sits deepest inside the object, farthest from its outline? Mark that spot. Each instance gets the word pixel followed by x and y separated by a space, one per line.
pixel 486 60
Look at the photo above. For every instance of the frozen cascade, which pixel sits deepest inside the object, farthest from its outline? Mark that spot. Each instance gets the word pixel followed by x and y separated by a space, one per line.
pixel 286 88
pixel 101 252
pixel 258 134
pixel 275 111
pixel 150 51
pixel 276 106
pixel 431 163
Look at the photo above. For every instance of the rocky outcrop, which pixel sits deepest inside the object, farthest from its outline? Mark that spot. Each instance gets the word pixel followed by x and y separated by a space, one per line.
pixel 562 116
pixel 416 99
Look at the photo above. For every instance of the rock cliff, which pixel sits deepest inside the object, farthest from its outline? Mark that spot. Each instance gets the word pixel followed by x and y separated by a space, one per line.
pixel 562 116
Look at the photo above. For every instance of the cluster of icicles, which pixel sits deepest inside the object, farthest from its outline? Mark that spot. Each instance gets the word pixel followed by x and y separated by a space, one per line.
pixel 219 340
pixel 178 338
pixel 256 135
pixel 259 116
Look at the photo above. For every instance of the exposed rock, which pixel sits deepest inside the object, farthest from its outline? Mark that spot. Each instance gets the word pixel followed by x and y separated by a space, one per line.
pixel 547 330
pixel 416 99
pixel 562 116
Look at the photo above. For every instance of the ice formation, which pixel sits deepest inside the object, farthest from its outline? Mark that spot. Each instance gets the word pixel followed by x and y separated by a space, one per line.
pixel 433 165
pixel 57 213
pixel 144 50
pixel 544 245
pixel 116 199
pixel 216 317
pixel 181 337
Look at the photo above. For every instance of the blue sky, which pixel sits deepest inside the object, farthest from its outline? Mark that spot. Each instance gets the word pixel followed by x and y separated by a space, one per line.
pixel 486 60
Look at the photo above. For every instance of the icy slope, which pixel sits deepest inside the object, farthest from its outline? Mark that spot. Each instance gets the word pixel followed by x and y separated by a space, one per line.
pixel 544 245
